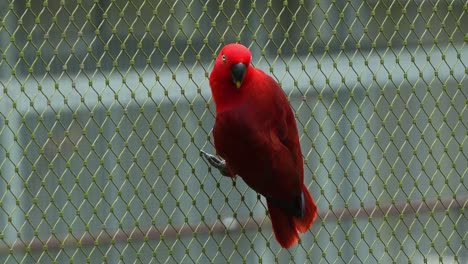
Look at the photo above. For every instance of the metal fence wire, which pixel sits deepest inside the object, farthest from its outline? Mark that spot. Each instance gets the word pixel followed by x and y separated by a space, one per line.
pixel 105 106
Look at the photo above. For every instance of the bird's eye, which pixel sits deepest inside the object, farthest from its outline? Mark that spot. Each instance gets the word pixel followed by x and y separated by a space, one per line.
pixel 224 58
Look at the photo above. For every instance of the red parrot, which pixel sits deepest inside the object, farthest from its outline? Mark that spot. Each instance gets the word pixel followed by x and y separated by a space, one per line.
pixel 256 134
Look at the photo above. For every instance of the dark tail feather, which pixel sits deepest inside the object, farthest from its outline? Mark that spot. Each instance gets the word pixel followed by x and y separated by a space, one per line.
pixel 283 226
pixel 286 226
pixel 309 213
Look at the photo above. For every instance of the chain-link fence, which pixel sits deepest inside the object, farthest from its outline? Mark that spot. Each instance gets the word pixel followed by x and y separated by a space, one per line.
pixel 105 106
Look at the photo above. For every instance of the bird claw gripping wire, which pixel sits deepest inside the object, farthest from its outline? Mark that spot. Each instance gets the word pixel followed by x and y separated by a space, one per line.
pixel 216 162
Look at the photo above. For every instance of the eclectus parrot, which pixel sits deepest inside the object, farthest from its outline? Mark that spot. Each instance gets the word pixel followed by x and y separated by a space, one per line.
pixel 255 133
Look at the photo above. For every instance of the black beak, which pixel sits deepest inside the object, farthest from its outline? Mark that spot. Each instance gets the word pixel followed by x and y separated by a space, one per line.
pixel 237 74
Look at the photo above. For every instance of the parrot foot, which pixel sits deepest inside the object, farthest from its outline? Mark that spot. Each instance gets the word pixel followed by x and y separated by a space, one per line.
pixel 216 162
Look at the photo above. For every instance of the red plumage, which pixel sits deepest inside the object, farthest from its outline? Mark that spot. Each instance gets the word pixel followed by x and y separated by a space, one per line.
pixel 256 134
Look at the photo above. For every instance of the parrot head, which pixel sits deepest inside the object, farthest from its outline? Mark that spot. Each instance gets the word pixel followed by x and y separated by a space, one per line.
pixel 232 64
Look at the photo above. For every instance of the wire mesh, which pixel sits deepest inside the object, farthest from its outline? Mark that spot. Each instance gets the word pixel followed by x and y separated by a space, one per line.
pixel 105 107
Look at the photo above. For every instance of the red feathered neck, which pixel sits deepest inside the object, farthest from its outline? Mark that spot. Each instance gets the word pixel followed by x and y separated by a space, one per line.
pixel 225 93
